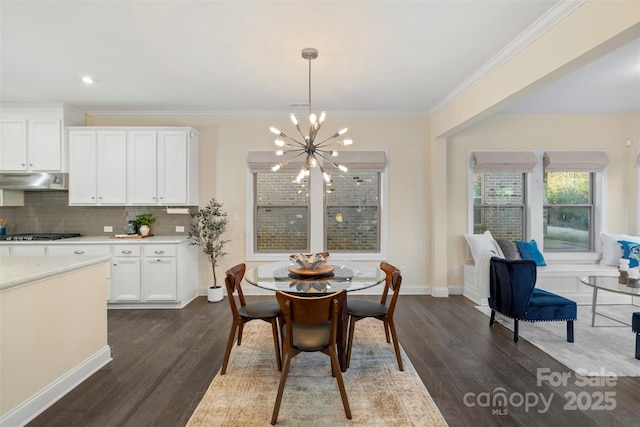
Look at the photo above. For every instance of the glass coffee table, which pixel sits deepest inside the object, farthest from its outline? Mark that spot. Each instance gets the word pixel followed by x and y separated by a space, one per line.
pixel 609 284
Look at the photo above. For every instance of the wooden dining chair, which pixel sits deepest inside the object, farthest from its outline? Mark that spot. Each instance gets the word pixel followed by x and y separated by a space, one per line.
pixel 310 324
pixel 267 310
pixel 361 309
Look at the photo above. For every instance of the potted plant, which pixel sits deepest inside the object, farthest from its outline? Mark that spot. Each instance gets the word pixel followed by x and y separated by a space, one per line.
pixel 207 227
pixel 143 222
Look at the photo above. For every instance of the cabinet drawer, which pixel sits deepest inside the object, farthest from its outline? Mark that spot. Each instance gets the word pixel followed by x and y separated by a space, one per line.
pixel 160 250
pixel 126 250
pixel 93 250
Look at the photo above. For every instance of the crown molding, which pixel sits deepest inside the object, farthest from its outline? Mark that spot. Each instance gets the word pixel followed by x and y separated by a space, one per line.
pixel 535 30
pixel 249 114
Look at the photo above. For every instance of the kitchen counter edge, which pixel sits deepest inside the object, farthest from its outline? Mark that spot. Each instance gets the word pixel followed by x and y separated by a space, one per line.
pixel 19 271
pixel 101 240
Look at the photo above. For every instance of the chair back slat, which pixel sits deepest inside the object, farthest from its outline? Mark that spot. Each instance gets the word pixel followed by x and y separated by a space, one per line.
pixel 311 311
pixel 232 280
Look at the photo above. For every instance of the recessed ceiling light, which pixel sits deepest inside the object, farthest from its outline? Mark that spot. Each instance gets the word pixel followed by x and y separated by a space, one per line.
pixel 88 80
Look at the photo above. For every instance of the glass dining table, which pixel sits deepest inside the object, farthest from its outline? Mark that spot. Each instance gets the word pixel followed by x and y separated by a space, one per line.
pixel 348 275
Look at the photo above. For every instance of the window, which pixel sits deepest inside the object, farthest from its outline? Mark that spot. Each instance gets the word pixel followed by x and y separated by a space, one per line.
pixel 568 211
pixel 554 197
pixel 498 204
pixel 345 215
pixel 353 212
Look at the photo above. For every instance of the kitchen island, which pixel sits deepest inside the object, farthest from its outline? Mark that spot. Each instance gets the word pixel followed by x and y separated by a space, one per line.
pixel 53 330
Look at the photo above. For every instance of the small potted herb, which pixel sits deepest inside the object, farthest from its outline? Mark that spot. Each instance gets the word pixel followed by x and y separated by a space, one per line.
pixel 143 222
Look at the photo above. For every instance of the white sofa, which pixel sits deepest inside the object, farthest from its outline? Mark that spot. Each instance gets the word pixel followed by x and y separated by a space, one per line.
pixel 562 278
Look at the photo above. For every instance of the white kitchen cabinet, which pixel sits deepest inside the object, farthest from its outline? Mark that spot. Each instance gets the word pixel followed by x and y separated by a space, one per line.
pixel 125 273
pixel 13 145
pixel 81 250
pixel 28 250
pixel 159 275
pixel 97 168
pixel 34 139
pixel 163 167
pixel 5 251
pixel 33 145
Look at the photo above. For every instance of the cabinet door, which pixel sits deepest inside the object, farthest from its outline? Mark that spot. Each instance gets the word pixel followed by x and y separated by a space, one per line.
pixel 45 145
pixel 172 167
pixel 125 278
pixel 13 145
pixel 160 282
pixel 142 178
pixel 82 168
pixel 112 167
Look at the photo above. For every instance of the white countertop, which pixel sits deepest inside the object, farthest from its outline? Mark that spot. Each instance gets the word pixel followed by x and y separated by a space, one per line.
pixel 106 239
pixel 21 270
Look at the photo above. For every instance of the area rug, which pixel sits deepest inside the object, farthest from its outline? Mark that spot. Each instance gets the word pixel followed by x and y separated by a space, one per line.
pixel 379 394
pixel 597 351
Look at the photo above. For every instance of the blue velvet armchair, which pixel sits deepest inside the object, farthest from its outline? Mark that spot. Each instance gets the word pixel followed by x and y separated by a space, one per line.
pixel 513 294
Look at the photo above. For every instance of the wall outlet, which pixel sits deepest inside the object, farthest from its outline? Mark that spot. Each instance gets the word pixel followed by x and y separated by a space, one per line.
pixel 179 228
pixel 108 229
pixel 455 270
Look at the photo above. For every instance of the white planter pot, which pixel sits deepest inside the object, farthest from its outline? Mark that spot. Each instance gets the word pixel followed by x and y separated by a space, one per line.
pixel 214 294
pixel 144 230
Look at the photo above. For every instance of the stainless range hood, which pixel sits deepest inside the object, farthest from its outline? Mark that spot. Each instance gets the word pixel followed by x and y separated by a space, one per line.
pixel 34 181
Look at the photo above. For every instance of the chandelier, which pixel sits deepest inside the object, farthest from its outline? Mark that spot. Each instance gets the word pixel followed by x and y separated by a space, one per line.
pixel 307 146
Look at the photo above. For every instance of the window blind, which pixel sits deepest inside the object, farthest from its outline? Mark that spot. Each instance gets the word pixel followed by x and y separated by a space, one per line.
pixel 504 161
pixel 575 161
pixel 263 161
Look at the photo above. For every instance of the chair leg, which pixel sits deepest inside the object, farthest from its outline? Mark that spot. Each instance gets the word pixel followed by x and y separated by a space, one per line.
pixel 492 320
pixel 335 366
pixel 283 381
pixel 570 330
pixel 276 343
pixel 515 330
pixel 386 330
pixel 637 346
pixel 227 352
pixel 352 327
pixel 240 329
pixel 396 346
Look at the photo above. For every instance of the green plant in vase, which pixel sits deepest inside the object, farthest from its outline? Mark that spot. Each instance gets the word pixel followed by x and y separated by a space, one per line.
pixel 207 227
pixel 143 222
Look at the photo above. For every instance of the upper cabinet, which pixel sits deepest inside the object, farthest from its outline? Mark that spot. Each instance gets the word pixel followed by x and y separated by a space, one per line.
pixel 160 166
pixel 97 163
pixel 34 139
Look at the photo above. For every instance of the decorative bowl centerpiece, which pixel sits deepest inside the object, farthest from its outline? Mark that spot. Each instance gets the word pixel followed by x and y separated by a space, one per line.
pixel 310 264
pixel 309 260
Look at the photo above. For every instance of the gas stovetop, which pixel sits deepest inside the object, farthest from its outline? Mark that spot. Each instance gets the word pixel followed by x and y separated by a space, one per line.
pixel 39 236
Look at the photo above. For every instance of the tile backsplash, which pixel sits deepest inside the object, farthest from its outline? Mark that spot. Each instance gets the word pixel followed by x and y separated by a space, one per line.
pixel 49 212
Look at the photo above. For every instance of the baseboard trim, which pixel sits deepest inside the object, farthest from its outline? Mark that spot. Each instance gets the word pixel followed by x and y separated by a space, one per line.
pixel 38 403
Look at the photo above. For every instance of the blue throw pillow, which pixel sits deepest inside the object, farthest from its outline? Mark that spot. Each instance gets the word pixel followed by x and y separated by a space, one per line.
pixel 529 250
pixel 630 251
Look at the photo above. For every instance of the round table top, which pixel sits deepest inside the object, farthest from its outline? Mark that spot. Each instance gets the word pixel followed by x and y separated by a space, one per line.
pixel 348 275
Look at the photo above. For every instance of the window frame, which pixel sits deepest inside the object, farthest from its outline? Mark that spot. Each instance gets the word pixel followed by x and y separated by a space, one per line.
pixel 317 215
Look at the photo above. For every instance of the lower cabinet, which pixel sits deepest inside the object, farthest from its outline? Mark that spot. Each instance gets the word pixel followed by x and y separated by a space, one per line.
pixel 125 273
pixel 159 275
pixel 142 275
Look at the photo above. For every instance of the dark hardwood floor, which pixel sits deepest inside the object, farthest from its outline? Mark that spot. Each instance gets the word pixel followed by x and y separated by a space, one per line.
pixel 164 360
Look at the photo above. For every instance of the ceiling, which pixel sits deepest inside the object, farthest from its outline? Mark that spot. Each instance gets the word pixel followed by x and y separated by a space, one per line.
pixel 243 58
